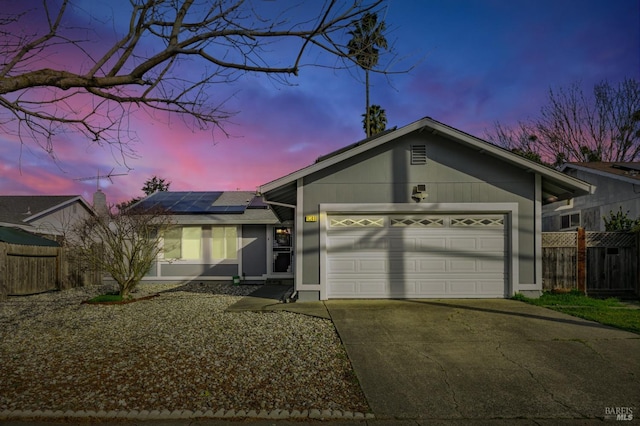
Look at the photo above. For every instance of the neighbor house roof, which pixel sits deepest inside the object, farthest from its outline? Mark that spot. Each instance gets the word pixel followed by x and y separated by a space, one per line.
pixel 21 210
pixel 624 171
pixel 210 207
pixel 555 185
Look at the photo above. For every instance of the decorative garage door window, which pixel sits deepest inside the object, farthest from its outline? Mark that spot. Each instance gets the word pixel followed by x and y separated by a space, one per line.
pixel 483 221
pixel 356 222
pixel 431 222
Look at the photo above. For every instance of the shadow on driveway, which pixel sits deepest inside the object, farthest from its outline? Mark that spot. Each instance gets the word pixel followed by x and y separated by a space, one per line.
pixel 485 360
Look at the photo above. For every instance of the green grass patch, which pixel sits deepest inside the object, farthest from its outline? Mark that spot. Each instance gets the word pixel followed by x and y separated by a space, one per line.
pixel 109 297
pixel 572 298
pixel 610 311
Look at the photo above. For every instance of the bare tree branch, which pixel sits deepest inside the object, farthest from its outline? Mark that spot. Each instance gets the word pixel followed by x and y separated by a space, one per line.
pixel 573 126
pixel 165 58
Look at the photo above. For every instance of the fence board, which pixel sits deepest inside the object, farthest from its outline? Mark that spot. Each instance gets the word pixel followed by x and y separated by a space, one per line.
pixel 559 268
pixel 610 267
pixel 610 270
pixel 36 269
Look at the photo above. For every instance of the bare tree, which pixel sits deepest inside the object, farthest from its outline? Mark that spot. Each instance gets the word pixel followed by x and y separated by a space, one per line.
pixel 575 127
pixel 125 244
pixel 166 59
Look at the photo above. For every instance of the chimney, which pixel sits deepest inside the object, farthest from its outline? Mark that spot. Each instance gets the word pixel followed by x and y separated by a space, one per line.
pixel 100 202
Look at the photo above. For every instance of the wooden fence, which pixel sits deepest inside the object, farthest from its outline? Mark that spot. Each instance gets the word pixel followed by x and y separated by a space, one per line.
pixel 599 263
pixel 36 269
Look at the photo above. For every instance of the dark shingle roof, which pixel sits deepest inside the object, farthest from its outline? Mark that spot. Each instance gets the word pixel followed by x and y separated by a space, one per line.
pixel 17 208
pixel 629 170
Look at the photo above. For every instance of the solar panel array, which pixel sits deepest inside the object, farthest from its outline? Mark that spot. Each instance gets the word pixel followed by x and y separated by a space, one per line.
pixel 189 203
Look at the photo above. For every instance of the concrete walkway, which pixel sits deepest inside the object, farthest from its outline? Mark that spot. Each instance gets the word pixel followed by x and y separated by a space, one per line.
pixel 460 361
pixel 272 297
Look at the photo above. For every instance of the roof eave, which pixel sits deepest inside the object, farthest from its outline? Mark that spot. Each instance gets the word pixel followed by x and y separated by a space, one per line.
pixel 59 206
pixel 568 183
pixel 600 173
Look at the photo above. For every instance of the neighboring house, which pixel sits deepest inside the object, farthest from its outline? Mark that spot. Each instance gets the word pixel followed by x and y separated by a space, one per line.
pixel 617 186
pixel 220 235
pixel 423 211
pixel 50 216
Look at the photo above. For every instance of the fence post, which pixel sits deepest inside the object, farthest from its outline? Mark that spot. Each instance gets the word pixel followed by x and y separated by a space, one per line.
pixel 581 263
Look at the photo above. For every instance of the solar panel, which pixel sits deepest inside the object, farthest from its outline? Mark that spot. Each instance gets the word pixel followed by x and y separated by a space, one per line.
pixel 189 203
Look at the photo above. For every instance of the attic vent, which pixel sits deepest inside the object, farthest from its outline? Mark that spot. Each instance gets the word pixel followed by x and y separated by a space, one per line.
pixel 418 154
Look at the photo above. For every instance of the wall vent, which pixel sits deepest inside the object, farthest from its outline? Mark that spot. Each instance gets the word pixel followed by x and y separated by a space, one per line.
pixel 418 154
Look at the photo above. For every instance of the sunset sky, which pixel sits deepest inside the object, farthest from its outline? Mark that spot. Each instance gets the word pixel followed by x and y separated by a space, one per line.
pixel 476 62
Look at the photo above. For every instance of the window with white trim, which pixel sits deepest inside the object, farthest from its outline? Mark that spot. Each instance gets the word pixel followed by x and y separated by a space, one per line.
pixel 183 243
pixel 224 240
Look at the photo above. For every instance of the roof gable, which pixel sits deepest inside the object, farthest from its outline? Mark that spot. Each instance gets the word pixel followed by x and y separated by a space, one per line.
pixel 556 185
pixel 22 209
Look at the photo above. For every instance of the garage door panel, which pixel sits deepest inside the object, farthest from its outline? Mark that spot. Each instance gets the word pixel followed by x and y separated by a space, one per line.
pixel 339 243
pixel 372 287
pixel 462 287
pixel 451 257
pixel 351 266
pixel 399 265
pixel 463 244
pixel 372 265
pixel 495 287
pixel 492 264
pixel 431 244
pixel 402 288
pixel 341 266
pixel 436 287
pixel 432 265
pixel 491 243
pixel 463 265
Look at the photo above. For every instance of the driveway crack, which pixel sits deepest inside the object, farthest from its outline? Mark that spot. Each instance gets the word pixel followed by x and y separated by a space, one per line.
pixel 450 388
pixel 539 382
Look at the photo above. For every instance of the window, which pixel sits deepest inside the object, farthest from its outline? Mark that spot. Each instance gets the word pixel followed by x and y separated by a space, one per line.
pixel 224 240
pixel 418 154
pixel 570 220
pixel 356 222
pixel 183 243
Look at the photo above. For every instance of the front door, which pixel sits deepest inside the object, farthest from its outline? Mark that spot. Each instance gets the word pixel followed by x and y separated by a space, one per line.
pixel 282 249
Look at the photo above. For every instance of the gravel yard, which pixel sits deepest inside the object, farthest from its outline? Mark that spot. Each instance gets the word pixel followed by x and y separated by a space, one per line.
pixel 177 351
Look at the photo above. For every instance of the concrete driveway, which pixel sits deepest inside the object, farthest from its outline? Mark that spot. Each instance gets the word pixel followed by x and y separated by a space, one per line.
pixel 487 360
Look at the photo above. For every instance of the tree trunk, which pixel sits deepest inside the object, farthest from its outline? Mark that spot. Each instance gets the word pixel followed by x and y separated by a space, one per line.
pixel 366 112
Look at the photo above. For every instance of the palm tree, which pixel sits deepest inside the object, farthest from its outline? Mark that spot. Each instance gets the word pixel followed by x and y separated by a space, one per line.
pixel 366 38
pixel 375 122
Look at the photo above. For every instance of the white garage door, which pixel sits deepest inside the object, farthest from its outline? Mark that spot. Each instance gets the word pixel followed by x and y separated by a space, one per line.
pixel 416 256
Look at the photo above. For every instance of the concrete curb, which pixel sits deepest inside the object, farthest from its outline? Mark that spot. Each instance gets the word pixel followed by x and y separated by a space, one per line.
pixel 314 414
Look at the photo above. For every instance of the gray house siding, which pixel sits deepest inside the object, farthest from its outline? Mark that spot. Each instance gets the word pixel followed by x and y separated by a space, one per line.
pixel 611 194
pixel 453 174
pixel 254 250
